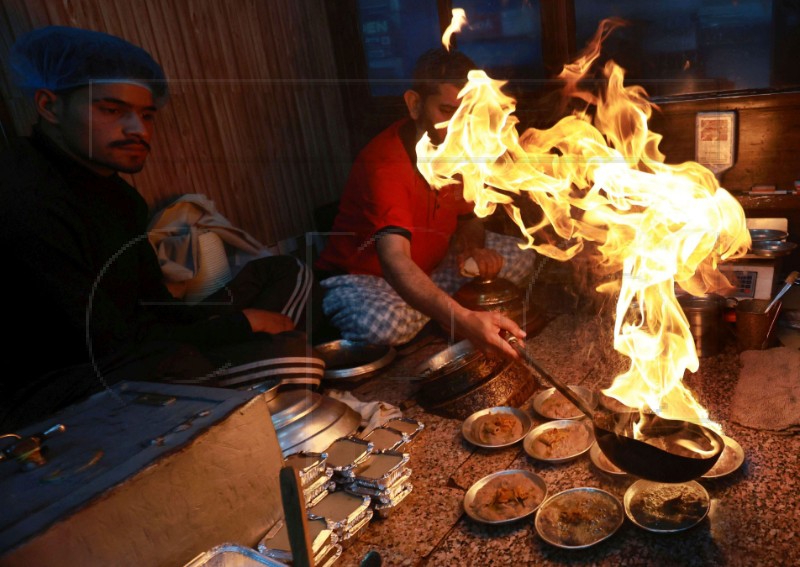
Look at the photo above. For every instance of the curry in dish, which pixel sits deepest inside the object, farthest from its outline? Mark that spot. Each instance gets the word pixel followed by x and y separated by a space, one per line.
pixel 506 497
pixel 497 428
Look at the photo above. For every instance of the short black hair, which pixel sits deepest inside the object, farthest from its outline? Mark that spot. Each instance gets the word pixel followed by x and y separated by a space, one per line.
pixel 437 66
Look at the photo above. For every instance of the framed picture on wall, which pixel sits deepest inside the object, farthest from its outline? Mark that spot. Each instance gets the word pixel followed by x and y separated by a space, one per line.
pixel 715 140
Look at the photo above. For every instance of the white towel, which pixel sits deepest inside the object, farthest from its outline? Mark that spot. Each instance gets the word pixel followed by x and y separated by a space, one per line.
pixel 373 414
pixel 767 395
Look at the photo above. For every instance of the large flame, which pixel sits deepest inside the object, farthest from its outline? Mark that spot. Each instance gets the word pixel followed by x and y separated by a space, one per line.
pixel 459 18
pixel 600 178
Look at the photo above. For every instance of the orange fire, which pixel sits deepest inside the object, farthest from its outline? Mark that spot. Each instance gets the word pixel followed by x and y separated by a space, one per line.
pixel 456 23
pixel 599 177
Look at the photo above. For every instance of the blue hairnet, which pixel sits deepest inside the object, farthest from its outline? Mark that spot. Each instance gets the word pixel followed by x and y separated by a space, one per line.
pixel 59 58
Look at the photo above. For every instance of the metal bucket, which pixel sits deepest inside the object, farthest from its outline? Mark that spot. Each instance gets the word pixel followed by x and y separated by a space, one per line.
pixel 754 328
pixel 705 316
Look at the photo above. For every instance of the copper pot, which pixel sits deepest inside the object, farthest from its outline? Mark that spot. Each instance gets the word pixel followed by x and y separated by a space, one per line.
pixel 496 294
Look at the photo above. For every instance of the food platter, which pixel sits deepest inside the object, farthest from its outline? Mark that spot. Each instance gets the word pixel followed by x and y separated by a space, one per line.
pixel 551 404
pixel 496 427
pixel 579 517
pixel 729 461
pixel 601 461
pixel 666 508
pixel 348 359
pixel 526 489
pixel 559 441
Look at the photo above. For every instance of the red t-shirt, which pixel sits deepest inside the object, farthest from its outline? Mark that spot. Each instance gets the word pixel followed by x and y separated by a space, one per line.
pixel 385 192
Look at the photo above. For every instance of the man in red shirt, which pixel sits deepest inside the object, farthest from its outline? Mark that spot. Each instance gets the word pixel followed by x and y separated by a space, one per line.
pixel 388 250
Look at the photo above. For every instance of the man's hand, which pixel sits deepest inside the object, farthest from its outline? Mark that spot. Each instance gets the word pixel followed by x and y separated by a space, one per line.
pixel 488 262
pixel 483 329
pixel 262 321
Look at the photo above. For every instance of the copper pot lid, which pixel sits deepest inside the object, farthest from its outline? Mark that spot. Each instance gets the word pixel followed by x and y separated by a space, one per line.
pixel 488 293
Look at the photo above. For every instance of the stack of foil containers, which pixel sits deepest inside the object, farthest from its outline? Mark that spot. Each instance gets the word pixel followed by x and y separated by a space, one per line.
pixel 316 484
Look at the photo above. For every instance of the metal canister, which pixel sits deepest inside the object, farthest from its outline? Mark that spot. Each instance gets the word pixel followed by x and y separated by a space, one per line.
pixel 705 315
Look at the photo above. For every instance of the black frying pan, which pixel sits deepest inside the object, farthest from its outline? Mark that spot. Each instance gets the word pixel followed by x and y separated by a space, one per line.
pixel 665 450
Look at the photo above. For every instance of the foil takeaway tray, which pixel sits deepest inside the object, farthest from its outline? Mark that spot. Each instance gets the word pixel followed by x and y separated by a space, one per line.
pixel 233 555
pixel 275 543
pixel 309 466
pixel 381 470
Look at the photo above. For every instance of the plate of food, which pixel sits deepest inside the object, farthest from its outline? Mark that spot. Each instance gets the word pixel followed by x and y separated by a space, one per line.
pixel 496 427
pixel 601 461
pixel 666 507
pixel 729 461
pixel 559 441
pixel 579 517
pixel 552 404
pixel 505 496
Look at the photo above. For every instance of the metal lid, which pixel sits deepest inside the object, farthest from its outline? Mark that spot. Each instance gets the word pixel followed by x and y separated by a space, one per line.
pixel 488 294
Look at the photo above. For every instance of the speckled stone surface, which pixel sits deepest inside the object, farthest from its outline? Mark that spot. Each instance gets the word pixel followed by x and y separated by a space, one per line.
pixel 754 513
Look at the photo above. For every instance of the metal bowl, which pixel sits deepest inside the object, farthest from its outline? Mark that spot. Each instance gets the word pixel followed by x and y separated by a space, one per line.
pixel 543 400
pixel 469 496
pixel 666 507
pixel 581 428
pixel 467 428
pixel 579 517
pixel 346 359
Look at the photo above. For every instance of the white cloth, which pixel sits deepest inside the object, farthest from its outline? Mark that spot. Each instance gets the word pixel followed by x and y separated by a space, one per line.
pixel 767 395
pixel 373 414
pixel 174 233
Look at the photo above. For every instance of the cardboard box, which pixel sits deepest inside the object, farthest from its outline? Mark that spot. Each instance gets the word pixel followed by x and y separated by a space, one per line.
pixel 138 481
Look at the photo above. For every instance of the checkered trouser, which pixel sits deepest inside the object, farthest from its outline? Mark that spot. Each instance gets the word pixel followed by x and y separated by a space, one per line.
pixel 367 309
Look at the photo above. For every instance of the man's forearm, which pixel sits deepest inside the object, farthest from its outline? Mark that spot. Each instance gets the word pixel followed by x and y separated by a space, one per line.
pixel 412 283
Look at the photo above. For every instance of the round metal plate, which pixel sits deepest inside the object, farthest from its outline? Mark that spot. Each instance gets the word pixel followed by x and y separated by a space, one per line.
pixel 579 518
pixel 729 461
pixel 542 403
pixel 773 248
pixel 469 496
pixel 576 427
pixel 467 428
pixel 759 234
pixel 601 461
pixel 346 359
pixel 666 507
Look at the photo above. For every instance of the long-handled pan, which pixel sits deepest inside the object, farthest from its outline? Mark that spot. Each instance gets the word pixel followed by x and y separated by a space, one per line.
pixel 663 450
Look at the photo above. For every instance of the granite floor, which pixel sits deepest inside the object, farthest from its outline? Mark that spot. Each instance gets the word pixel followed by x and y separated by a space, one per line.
pixel 753 513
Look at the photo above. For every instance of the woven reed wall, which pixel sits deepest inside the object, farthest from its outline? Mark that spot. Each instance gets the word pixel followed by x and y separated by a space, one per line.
pixel 255 121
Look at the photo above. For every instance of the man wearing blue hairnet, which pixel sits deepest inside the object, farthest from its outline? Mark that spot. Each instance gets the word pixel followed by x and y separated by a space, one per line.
pixel 90 307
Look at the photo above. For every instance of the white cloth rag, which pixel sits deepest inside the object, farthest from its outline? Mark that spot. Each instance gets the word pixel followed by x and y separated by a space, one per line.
pixel 373 414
